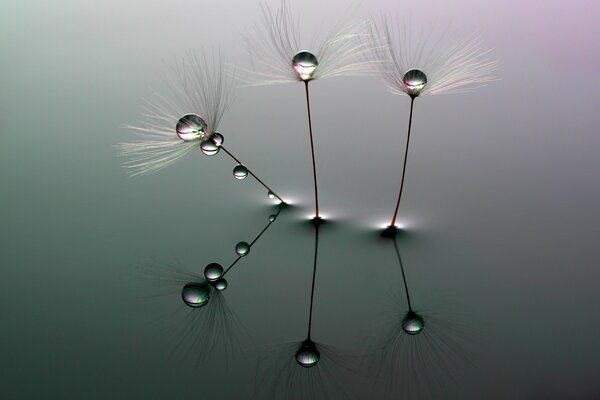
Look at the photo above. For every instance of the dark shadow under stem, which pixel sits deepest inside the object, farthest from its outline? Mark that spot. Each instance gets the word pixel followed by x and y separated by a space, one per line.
pixel 412 101
pixel 312 290
pixel 256 238
pixel 312 150
pixel 403 275
pixel 251 173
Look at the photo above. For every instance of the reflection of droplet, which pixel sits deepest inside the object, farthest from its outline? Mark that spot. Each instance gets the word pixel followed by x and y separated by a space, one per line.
pixel 195 294
pixel 209 147
pixel 240 172
pixel 272 217
pixel 304 63
pixel 308 355
pixel 413 323
pixel 271 195
pixel 191 127
pixel 221 284
pixel 414 81
pixel 213 271
pixel 242 249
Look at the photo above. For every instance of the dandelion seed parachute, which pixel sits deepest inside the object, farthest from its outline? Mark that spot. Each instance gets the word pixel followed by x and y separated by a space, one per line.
pixel 424 66
pixel 201 89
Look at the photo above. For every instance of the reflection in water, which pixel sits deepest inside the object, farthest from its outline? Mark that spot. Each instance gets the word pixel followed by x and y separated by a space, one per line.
pixel 306 369
pixel 209 328
pixel 421 351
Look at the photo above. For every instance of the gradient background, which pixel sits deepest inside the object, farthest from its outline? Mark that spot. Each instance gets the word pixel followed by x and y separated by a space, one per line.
pixel 501 201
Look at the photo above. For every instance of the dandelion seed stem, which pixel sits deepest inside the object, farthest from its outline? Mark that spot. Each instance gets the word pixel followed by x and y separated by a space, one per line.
pixel 412 101
pixel 257 237
pixel 312 150
pixel 403 275
pixel 251 173
pixel 312 290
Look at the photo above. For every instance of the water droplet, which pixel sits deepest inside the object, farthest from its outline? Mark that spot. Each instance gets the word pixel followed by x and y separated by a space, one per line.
pixel 413 323
pixel 242 249
pixel 305 63
pixel 217 138
pixel 414 81
pixel 240 172
pixel 272 217
pixel 271 195
pixel 191 127
pixel 195 294
pixel 220 284
pixel 213 271
pixel 308 355
pixel 209 147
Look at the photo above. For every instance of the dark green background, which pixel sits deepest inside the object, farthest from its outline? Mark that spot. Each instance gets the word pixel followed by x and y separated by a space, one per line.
pixel 501 201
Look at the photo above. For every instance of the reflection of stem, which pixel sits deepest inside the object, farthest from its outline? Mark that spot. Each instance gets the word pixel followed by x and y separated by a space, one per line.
pixel 312 290
pixel 412 100
pixel 403 275
pixel 312 151
pixel 256 238
pixel 251 173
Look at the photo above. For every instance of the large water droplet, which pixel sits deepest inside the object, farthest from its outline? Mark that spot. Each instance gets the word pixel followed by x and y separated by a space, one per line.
pixel 213 271
pixel 191 127
pixel 413 323
pixel 308 355
pixel 414 81
pixel 240 172
pixel 242 249
pixel 304 64
pixel 221 284
pixel 195 294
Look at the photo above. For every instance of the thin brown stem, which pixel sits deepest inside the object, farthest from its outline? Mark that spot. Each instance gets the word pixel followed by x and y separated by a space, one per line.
pixel 312 151
pixel 412 101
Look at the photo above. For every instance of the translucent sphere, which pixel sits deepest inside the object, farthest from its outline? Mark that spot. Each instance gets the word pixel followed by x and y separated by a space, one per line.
pixel 242 249
pixel 413 323
pixel 308 355
pixel 221 284
pixel 217 138
pixel 195 294
pixel 272 217
pixel 209 147
pixel 271 195
pixel 304 64
pixel 414 81
pixel 213 271
pixel 191 127
pixel 240 172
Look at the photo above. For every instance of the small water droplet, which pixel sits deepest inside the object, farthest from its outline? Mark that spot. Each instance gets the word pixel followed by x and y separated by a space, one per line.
pixel 308 355
pixel 209 147
pixel 305 63
pixel 217 138
pixel 191 127
pixel 213 271
pixel 413 323
pixel 195 294
pixel 240 172
pixel 414 81
pixel 272 217
pixel 242 249
pixel 220 284
pixel 271 195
